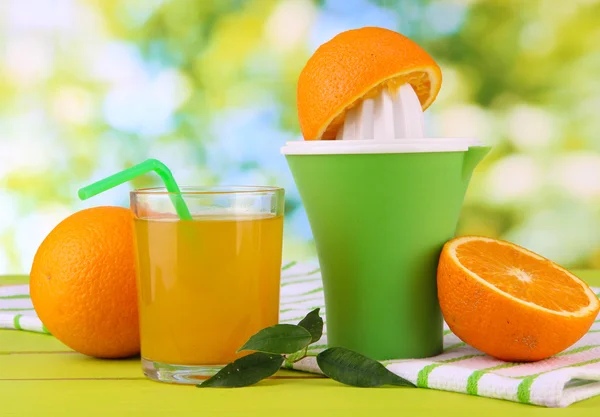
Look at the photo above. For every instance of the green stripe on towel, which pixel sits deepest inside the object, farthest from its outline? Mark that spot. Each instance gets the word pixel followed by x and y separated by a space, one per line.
pixel 423 377
pixel 473 381
pixel 524 390
pixel 14 297
pixel 314 271
pixel 577 350
pixel 288 265
pixel 17 321
pixel 454 346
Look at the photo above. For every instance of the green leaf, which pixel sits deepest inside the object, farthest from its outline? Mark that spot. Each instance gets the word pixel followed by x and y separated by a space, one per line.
pixel 245 371
pixel 351 368
pixel 314 324
pixel 281 338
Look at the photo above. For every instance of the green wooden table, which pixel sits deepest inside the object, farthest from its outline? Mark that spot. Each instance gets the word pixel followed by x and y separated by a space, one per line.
pixel 39 376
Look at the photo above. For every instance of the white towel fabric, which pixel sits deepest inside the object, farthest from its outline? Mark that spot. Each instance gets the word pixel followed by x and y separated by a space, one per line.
pixel 568 377
pixel 16 310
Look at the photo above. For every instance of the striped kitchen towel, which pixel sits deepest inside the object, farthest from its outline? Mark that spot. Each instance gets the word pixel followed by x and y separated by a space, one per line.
pixel 568 377
pixel 16 310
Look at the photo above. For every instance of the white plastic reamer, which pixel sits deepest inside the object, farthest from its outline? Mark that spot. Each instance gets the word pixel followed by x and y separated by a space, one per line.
pixel 388 116
pixel 391 122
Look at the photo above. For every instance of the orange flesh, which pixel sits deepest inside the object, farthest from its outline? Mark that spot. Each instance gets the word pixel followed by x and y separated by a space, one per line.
pixel 523 276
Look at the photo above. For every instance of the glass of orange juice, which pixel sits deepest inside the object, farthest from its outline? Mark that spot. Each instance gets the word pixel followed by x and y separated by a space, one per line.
pixel 205 285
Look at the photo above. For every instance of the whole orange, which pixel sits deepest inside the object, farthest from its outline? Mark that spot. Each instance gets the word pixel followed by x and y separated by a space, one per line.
pixel 83 283
pixel 356 65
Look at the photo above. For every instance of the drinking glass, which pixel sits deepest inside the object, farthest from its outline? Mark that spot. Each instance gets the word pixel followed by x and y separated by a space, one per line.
pixel 205 285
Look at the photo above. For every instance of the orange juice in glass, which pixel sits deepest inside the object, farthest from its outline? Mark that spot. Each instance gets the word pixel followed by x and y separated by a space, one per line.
pixel 205 285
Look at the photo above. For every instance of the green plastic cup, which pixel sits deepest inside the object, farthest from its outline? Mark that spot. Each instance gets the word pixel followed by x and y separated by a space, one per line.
pixel 380 214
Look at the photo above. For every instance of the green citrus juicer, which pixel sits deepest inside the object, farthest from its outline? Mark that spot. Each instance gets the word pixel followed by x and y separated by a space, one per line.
pixel 379 218
pixel 380 212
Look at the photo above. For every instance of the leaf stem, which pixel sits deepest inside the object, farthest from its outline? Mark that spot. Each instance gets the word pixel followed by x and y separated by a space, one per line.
pixel 296 356
pixel 304 353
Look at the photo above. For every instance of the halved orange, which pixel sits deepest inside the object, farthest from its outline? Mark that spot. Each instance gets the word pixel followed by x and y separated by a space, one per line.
pixel 510 302
pixel 355 65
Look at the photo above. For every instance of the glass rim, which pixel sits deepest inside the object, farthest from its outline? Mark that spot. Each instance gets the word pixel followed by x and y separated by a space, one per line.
pixel 210 190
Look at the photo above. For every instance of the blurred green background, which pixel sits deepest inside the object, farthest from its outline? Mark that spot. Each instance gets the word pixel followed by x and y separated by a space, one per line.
pixel 208 86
